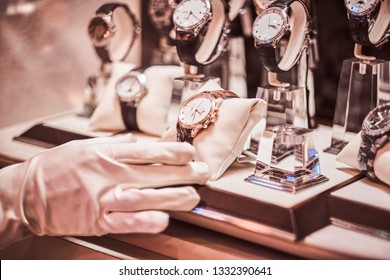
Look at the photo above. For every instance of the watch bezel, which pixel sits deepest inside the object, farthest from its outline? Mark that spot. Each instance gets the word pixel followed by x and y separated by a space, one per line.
pixel 210 114
pixel 194 27
pixel 366 127
pixel 134 98
pixel 279 35
pixel 365 12
pixel 109 29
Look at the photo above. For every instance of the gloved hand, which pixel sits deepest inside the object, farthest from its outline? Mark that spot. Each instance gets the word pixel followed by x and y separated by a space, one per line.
pixel 98 186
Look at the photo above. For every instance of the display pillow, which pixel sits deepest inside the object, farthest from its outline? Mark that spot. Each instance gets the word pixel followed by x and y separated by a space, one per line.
pixel 152 111
pixel 223 141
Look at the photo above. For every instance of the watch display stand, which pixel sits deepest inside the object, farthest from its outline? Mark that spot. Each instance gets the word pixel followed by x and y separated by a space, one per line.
pixel 286 157
pixel 236 67
pixel 383 93
pixel 298 166
pixel 357 94
pixel 222 142
pixel 165 54
pixel 301 75
pixel 286 106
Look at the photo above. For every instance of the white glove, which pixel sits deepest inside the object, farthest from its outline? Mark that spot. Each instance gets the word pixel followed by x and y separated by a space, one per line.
pixel 98 186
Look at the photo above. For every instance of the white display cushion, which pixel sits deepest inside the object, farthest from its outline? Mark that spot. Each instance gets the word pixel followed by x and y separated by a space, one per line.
pixel 153 109
pixel 349 156
pixel 107 115
pixel 222 142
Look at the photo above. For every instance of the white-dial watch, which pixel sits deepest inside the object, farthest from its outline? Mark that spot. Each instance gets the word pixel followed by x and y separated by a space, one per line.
pixel 201 29
pixel 198 112
pixel 281 18
pixel 130 89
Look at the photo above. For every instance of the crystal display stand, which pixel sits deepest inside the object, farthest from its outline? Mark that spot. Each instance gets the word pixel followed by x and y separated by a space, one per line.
pixel 357 94
pixel 286 157
pixel 298 169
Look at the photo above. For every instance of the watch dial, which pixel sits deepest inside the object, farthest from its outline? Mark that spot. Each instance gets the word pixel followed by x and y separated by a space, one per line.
pixel 99 31
pixel 269 25
pixel 361 7
pixel 128 87
pixel 378 120
pixel 190 13
pixel 195 110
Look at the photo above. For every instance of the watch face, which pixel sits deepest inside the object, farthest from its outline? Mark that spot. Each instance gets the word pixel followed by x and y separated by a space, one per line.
pixel 361 7
pixel 128 88
pixel 270 25
pixel 190 13
pixel 196 109
pixel 377 121
pixel 161 11
pixel 100 30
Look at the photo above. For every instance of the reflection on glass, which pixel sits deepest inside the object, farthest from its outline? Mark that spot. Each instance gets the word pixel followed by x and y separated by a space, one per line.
pixel 360 89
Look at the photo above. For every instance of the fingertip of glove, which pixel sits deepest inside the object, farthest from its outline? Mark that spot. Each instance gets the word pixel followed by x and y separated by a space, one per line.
pixel 180 146
pixel 202 170
pixel 158 221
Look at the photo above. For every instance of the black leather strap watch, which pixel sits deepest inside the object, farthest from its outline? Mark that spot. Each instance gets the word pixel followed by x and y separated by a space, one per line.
pixel 369 21
pixel 375 134
pixel 130 89
pixel 202 28
pixel 281 19
pixel 102 29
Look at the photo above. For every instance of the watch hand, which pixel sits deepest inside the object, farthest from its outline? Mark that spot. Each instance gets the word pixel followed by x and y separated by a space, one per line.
pixel 195 16
pixel 273 26
pixel 189 14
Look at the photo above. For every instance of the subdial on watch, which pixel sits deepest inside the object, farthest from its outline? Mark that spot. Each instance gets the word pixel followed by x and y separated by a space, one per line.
pixel 190 12
pixel 268 25
pixel 195 111
pixel 361 7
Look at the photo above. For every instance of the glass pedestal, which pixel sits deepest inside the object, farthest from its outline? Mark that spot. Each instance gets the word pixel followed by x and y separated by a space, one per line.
pixel 298 165
pixel 357 95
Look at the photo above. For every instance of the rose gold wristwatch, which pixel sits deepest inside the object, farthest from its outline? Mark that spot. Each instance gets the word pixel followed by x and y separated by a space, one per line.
pixel 198 112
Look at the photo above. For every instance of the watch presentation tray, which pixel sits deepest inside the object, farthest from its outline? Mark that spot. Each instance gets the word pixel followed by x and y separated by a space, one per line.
pixel 262 210
pixel 362 206
pixel 230 199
